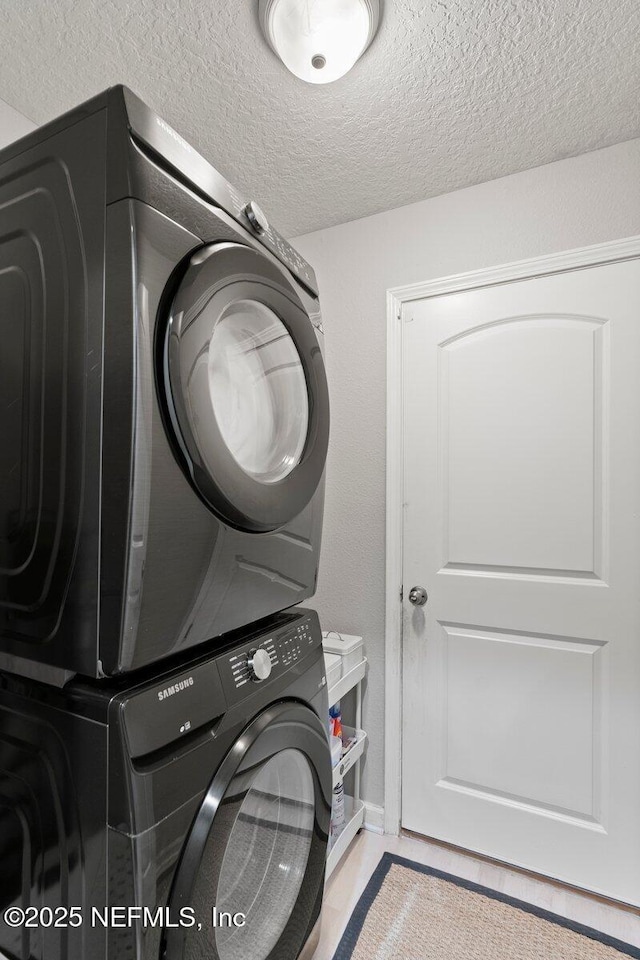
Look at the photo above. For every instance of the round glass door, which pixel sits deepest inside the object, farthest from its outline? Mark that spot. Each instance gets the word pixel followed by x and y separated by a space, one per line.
pixel 252 869
pixel 258 390
pixel 265 861
pixel 245 391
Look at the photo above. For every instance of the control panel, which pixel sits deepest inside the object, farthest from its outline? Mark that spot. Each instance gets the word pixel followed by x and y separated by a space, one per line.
pixel 295 645
pixel 267 657
pixel 184 701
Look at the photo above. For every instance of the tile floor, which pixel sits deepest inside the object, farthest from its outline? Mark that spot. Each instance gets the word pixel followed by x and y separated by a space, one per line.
pixel 351 877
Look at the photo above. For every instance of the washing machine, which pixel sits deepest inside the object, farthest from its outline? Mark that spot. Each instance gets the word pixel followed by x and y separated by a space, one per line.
pixel 181 817
pixel 164 413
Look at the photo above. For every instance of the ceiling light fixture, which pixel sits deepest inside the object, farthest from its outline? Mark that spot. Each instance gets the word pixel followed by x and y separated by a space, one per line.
pixel 319 40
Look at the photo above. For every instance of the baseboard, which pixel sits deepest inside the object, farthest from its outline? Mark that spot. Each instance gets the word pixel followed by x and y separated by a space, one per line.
pixel 373 818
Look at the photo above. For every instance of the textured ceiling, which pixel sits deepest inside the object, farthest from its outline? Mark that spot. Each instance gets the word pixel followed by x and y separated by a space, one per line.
pixel 452 92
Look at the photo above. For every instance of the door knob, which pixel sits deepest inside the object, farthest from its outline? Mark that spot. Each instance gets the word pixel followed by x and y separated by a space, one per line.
pixel 418 596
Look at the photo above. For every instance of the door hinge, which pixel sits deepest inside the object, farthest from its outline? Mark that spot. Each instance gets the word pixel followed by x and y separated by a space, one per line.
pixel 401 593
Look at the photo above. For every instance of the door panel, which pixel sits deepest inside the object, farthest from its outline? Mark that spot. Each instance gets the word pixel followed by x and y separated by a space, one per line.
pixel 522 520
pixel 501 510
pixel 546 754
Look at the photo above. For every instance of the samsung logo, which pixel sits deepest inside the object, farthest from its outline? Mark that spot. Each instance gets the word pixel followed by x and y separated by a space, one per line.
pixel 176 688
pixel 172 133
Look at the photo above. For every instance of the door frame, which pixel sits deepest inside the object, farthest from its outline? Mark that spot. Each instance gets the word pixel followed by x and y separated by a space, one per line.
pixel 397 298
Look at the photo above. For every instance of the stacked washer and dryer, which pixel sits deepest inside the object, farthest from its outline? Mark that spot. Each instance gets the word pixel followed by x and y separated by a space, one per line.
pixel 165 780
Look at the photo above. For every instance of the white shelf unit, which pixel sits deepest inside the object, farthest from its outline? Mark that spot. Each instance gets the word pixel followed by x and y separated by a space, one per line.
pixel 354 812
pixel 352 756
pixel 354 807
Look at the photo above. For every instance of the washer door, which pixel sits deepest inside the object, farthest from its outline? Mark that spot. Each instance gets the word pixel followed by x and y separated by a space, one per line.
pixel 257 849
pixel 245 387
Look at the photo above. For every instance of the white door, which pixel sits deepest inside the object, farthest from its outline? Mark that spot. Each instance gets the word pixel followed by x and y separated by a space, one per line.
pixel 521 699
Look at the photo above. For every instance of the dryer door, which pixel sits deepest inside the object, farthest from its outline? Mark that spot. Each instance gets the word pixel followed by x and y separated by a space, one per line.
pixel 252 868
pixel 245 387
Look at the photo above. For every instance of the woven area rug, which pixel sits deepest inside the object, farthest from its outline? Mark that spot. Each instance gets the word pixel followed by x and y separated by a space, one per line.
pixel 412 912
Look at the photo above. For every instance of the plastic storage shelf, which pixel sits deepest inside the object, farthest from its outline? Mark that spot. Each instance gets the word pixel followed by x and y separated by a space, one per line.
pixel 348 682
pixel 354 812
pixel 342 769
pixel 354 807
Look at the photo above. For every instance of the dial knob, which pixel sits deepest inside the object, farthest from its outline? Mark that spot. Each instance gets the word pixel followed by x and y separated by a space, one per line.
pixel 256 217
pixel 259 664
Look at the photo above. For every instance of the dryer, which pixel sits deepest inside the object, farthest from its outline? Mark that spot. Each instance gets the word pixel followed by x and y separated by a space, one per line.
pixel 164 413
pixel 184 815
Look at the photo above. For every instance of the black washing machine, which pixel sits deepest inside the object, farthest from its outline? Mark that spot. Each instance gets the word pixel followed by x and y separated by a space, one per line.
pixel 164 414
pixel 129 814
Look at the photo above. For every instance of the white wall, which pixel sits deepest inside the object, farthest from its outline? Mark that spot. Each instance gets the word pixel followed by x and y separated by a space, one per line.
pixel 12 124
pixel 571 203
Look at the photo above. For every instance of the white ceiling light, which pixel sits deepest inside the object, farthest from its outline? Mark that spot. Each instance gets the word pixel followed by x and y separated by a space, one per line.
pixel 319 40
